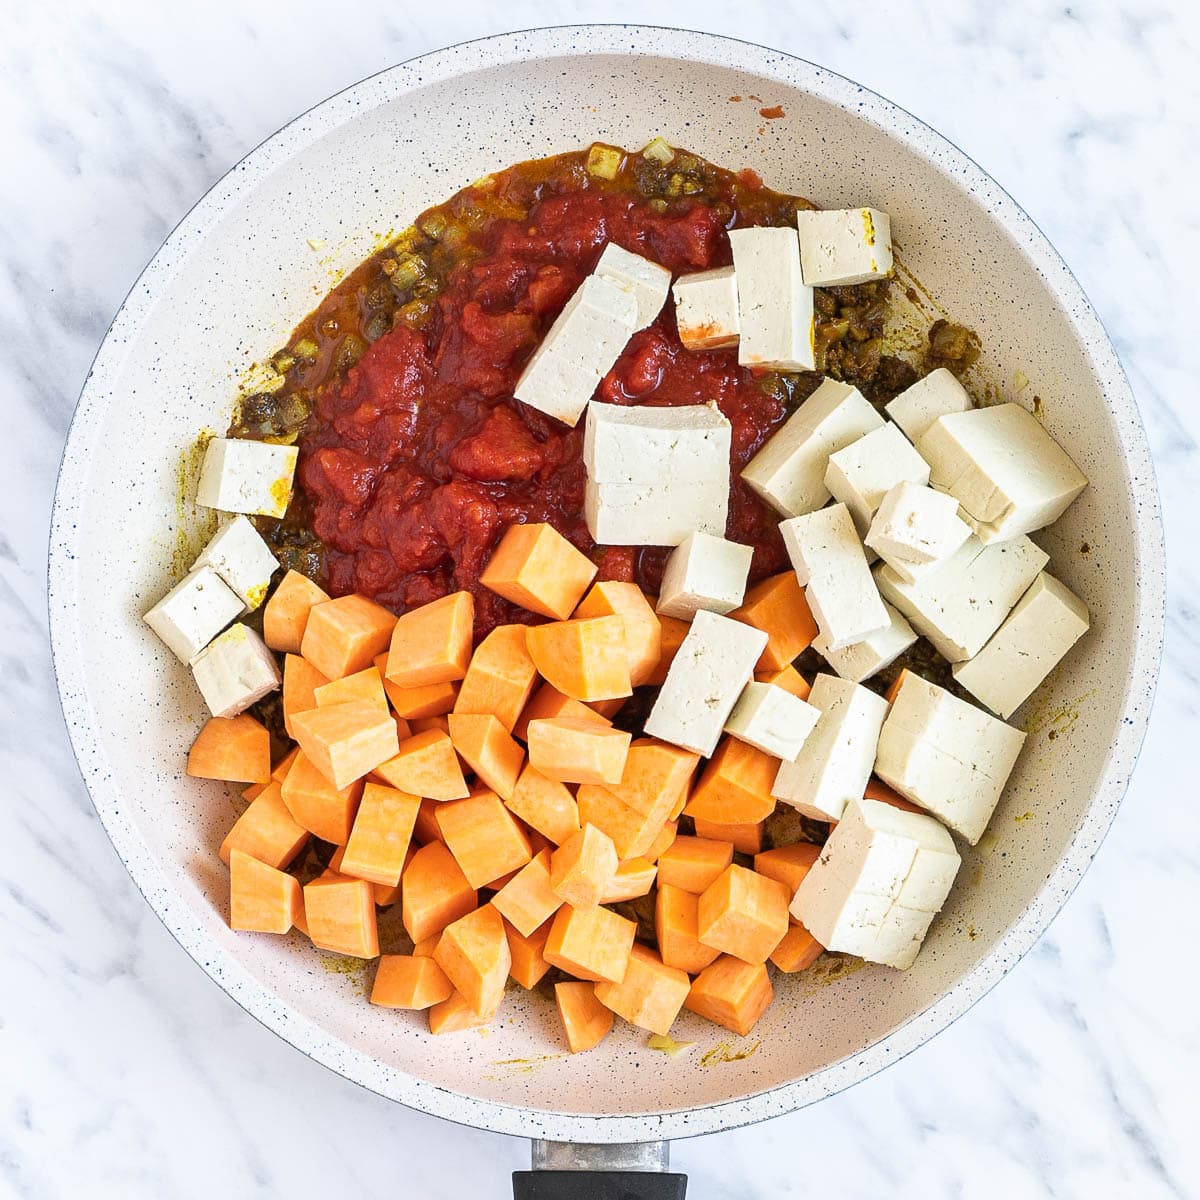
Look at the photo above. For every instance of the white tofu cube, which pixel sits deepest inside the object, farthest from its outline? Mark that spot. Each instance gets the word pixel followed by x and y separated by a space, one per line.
pixel 714 663
pixel 704 572
pixel 234 671
pixel 789 471
pixel 578 350
pixel 706 309
pixel 835 762
pixel 946 755
pixel 881 878
pixel 1048 620
pixel 193 612
pixel 861 660
pixel 1008 474
pixel 861 474
pixel 916 528
pixel 775 309
pixel 242 559
pixel 654 444
pixel 830 564
pixel 241 476
pixel 935 395
pixel 647 282
pixel 641 514
pixel 962 603
pixel 772 720
pixel 844 246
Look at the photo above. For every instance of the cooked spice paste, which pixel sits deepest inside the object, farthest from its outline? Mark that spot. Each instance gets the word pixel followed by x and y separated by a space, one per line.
pixel 414 456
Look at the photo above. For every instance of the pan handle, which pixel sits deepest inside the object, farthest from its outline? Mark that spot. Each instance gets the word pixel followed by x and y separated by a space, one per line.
pixel 579 1171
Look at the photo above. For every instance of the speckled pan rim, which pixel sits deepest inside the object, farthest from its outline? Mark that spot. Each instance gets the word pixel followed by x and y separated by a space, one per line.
pixel 940 155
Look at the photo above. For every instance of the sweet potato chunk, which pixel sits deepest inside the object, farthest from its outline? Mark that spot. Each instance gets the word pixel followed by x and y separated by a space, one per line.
pixel 536 567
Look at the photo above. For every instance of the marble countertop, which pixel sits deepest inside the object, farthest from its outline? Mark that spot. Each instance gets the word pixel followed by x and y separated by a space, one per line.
pixel 124 1072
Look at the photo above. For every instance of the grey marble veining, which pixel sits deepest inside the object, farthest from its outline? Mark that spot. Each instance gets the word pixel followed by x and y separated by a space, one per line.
pixel 124 1072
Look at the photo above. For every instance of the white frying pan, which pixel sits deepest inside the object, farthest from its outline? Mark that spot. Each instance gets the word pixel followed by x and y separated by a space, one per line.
pixel 225 290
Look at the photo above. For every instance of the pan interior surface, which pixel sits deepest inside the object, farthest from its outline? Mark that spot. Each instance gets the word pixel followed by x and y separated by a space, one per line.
pixel 225 292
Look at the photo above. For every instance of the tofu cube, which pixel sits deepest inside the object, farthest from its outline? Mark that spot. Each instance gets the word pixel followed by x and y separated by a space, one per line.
pixel 946 755
pixel 1008 474
pixel 690 443
pixel 962 603
pixel 844 246
pixel 706 309
pixel 193 612
pixel 935 395
pixel 704 572
pixel 830 564
pixel 861 474
pixel 835 762
pixel 638 514
pixel 234 671
pixel 714 663
pixel 915 528
pixel 863 659
pixel 1047 621
pixel 647 282
pixel 772 720
pixel 242 559
pixel 789 471
pixel 881 878
pixel 578 350
pixel 241 476
pixel 775 309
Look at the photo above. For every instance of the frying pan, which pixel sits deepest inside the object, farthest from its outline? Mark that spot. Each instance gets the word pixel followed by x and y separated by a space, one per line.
pixel 225 290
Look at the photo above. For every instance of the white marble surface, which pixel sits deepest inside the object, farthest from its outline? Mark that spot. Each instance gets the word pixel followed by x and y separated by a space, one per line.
pixel 125 1072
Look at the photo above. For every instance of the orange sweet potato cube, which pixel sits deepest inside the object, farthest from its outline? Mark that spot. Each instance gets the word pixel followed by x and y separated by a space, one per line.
pixel 632 833
pixel 876 789
pixel 545 805
pixel 731 993
pixel 672 631
pixel 643 626
pixel 746 837
pixel 656 776
pixel 650 995
pixel 529 965
pixel 500 678
pixel 455 1014
pixel 403 981
pixel 735 787
pixel 484 837
pixel 583 867
pixel 489 750
pixel 744 914
pixel 693 864
pixel 571 750
pixel 536 567
pixel 266 831
pixel 365 686
pixel 585 1020
pixel 548 702
pixel 634 877
pixel 434 892
pixel 300 682
pixel 779 608
pixel 286 613
pixel 797 951
pixel 527 901
pixel 382 833
pixel 432 644
pixel 585 659
pixel 344 635
pixel 788 864
pixel 426 829
pixel 280 771
pixel 663 841
pixel 787 678
pixel 590 943
pixel 262 899
pixel 416 703
pixel 324 810
pixel 426 765
pixel 340 915
pixel 346 741
pixel 473 951
pixel 675 926
pixel 236 749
